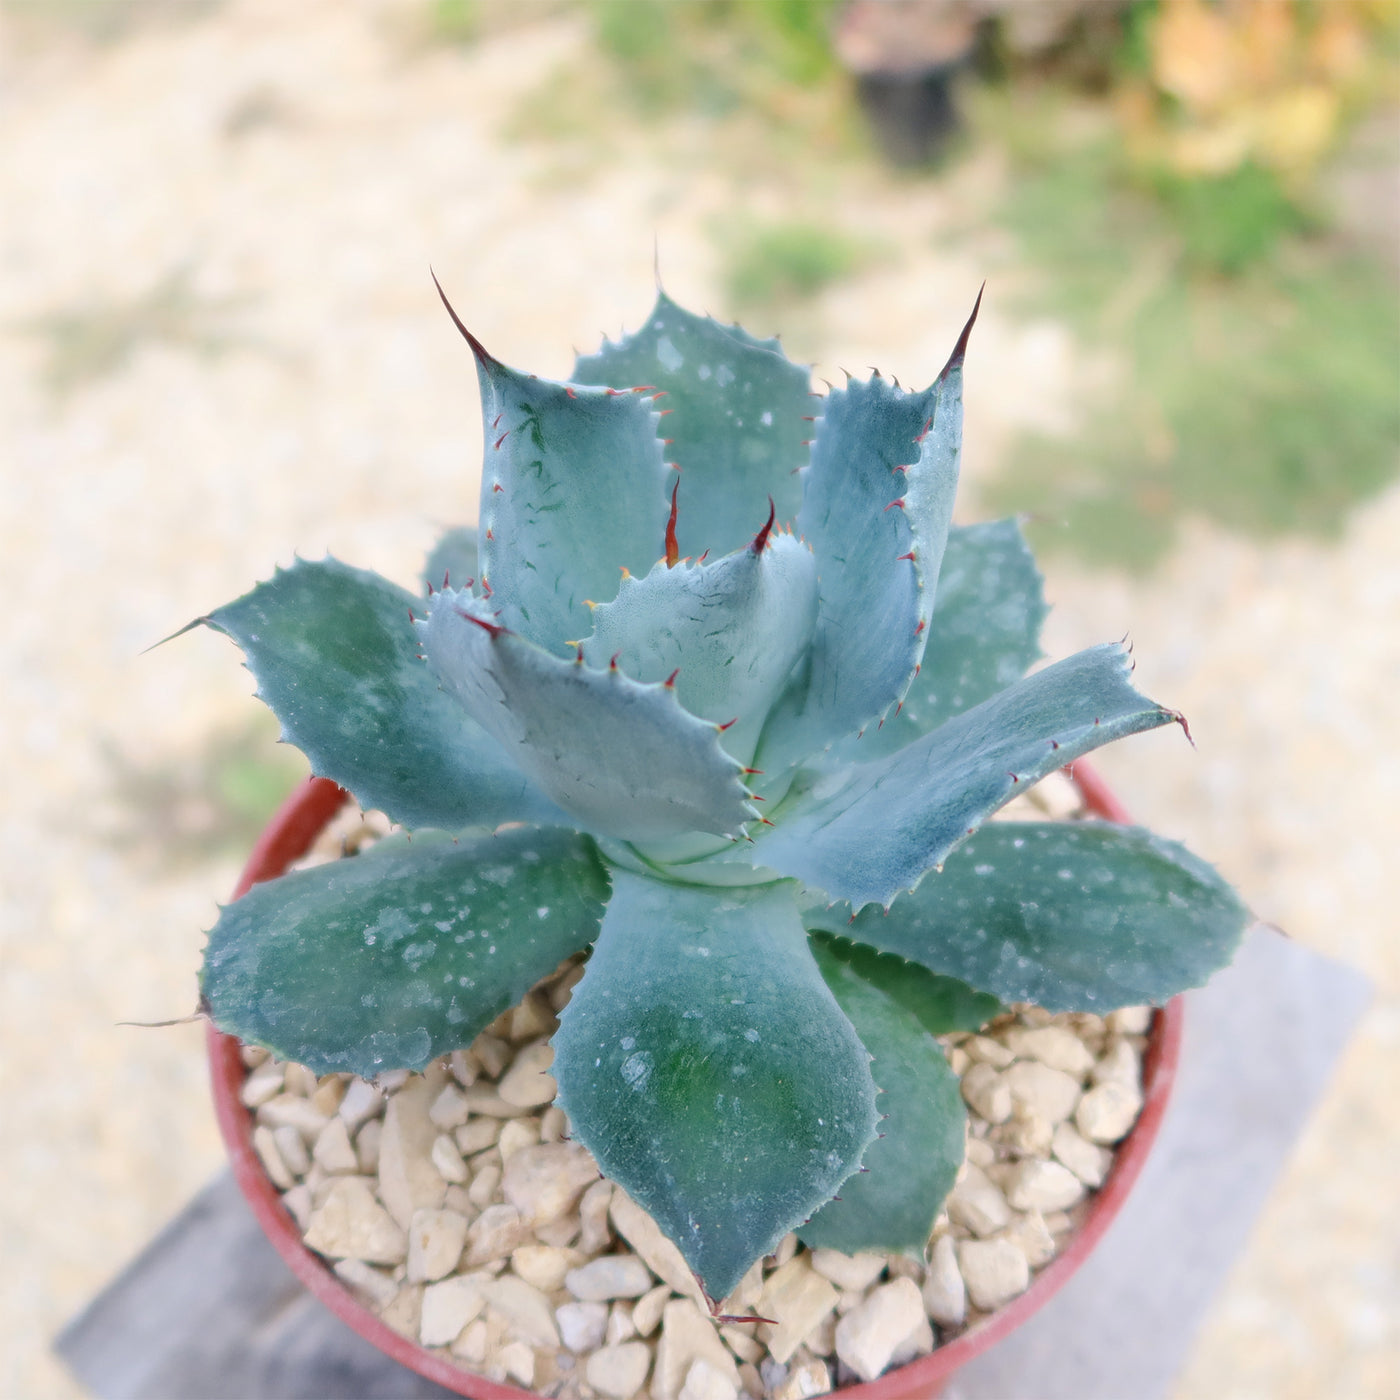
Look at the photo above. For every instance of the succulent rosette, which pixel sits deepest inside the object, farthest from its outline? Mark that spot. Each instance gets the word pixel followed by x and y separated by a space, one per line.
pixel 718 695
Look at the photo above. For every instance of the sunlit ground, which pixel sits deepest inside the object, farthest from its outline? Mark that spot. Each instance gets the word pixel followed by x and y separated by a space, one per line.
pixel 220 345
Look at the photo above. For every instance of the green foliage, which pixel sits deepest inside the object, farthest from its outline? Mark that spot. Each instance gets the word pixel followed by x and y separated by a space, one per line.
pixel 771 265
pixel 719 1063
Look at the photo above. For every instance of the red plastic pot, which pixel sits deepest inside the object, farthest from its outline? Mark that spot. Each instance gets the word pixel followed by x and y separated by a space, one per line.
pixel 290 834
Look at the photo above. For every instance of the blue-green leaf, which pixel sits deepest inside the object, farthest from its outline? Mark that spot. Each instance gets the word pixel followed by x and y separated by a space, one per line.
pixel 453 562
pixel 736 423
pixel 868 832
pixel 685 1063
pixel 1074 916
pixel 623 759
pixel 984 635
pixel 911 1167
pixel 335 657
pixel 733 628
pixel 390 959
pixel 572 493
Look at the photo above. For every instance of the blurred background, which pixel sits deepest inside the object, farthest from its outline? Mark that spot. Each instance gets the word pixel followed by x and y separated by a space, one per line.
pixel 219 344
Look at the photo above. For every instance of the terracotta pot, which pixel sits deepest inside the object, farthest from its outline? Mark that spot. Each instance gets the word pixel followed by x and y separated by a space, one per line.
pixel 291 833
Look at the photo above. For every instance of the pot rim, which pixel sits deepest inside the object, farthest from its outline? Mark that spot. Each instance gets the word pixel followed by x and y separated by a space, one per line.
pixel 289 835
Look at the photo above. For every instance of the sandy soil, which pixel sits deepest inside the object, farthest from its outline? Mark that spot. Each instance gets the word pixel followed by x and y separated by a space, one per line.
pixel 304 165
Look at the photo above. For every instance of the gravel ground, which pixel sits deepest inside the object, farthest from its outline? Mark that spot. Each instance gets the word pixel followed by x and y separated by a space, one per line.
pixel 299 167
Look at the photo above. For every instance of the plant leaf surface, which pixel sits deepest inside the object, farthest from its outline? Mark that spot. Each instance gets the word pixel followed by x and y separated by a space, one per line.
pixel 390 959
pixel 336 659
pixel 736 422
pixel 685 1063
pixel 912 1165
pixel 1073 916
pixel 454 561
pixel 868 832
pixel 733 628
pixel 622 758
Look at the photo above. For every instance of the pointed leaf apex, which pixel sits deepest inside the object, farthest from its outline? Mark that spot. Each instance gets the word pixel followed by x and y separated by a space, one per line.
pixel 760 540
pixel 960 349
pixel 493 628
pixel 483 355
pixel 673 549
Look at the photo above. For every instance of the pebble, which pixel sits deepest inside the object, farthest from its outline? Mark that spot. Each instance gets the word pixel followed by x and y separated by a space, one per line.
pixel 378 1287
pixel 1087 1160
pixel 298 1202
pixel 1030 1234
pixel 977 1203
pixel 609 1276
pixel 1048 1093
pixel 528 1083
pixel 447 1158
pixel 532 1018
pixel 367 1146
pixel 620 1325
pixel 796 1297
pixel 742 1342
pixel 449 1109
pixel 334 1151
pixel 582 1326
pixel 515 1134
pixel 299 1080
pixel 646 1316
pixel 619 1372
pixel 293 1111
pixel 492 1054
pixel 435 1240
pixel 464 1067
pixel 265 1145
pixel 656 1251
pixel 518 1362
pixel 704 1382
pixel 687 1336
pixel 995 1272
pixel 264 1083
pixel 1026 1133
pixel 1107 1112
pixel 987 1092
pixel 497 1232
pixel 1040 1185
pixel 351 1224
pixel 1053 1046
pixel 329 1092
pixel 477 1135
pixel 545 1265
pixel 868 1336
pixel 805 1381
pixel 292 1147
pixel 526 1309
pixel 405 1313
pixel 850 1271
pixel 545 1181
pixel 988 1051
pixel 1130 1020
pixel 1119 1065
pixel 944 1292
pixel 918 1343
pixel 594 1235
pixel 448 1307
pixel 484 1184
pixel 361 1102
pixel 408 1181
pixel 483 1099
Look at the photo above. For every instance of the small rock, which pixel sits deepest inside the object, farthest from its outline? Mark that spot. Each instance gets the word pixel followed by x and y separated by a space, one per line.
pixel 515 1134
pixel 1026 1133
pixel 265 1145
pixel 796 1298
pixel 743 1343
pixel 944 1292
pixel 482 1191
pixel 405 1313
pixel 656 1251
pixel 392 1079
pixel 435 1240
pixel 561 1233
pixel 408 1181
pixel 329 1092
pixel 619 1372
pixel 477 1135
pixel 334 1151
pixel 527 1310
pixel 918 1343
pixel 518 1362
pixel 851 1271
pixel 1048 1093
pixel 367 1146
pixel 977 1203
pixel 300 1080
pixel 787 1248
pixel 475 1343
pixel 868 1336
pixel 292 1148
pixel 1130 1020
pixel 456 1198
pixel 532 1018
pixel 1041 1185
pixel 593 1215
pixel 958 1060
pixel 1030 1235
pixel 545 1181
pixel 609 1276
pixel 1119 1065
pixel 494 1234
pixel 299 1205
pixel 751 1381
pixel 448 1307
pixel 1087 1160
pixel 1107 1112
pixel 464 1067
pixel 704 1382
pixel 980 1152
pixel 265 1083
pixel 995 1272
pixel 350 1223
pixel 378 1287
pixel 293 1111
pixel 687 1335
pixel 492 1054
pixel 647 1313
pixel 449 1109
pixel 621 1328
pixel 563 987
pixel 360 1103
pixel 805 1381
pixel 528 1082
pixel 987 1051
pixel 446 1157
pixel 554 1124
pixel 582 1326
pixel 543 1266
pixel 1054 1046
pixel 987 1093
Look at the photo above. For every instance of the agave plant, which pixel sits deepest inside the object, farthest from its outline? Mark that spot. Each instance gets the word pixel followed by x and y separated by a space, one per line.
pixel 750 781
